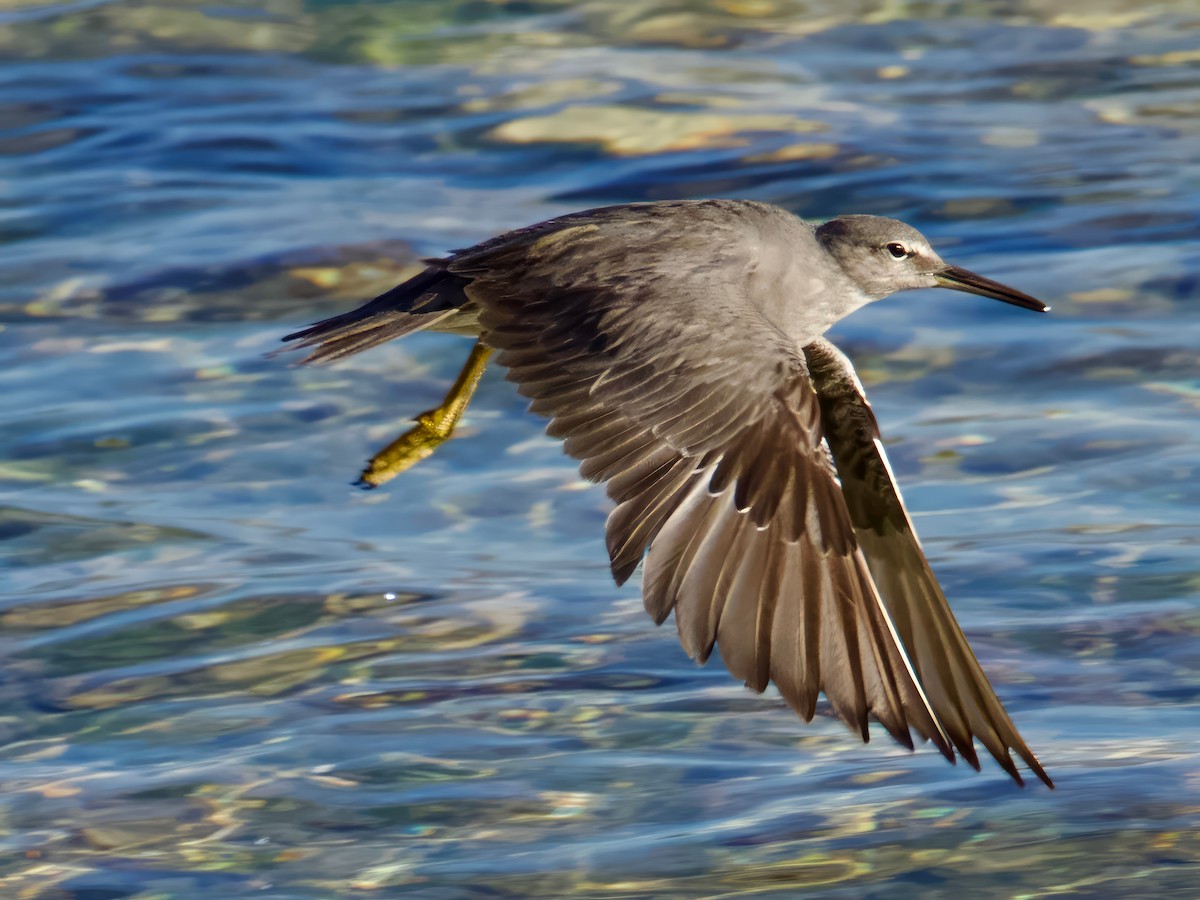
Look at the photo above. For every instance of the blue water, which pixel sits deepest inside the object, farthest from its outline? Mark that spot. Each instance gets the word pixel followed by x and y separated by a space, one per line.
pixel 225 671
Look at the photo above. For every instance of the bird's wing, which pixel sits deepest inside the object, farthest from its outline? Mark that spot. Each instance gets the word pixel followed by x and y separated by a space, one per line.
pixel 582 301
pixel 961 696
pixel 708 436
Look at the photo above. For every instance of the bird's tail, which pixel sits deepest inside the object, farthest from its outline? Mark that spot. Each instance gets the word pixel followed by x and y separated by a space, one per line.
pixel 421 302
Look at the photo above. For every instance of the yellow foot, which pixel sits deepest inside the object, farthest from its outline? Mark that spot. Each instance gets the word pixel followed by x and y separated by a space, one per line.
pixel 431 431
pixel 433 428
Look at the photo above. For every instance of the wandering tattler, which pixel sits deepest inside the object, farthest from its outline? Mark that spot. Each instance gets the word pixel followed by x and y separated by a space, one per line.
pixel 677 348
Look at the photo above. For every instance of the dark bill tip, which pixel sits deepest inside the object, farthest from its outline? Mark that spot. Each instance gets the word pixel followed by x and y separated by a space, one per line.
pixel 957 279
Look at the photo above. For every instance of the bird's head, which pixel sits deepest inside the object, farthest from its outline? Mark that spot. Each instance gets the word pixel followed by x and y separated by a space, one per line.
pixel 883 256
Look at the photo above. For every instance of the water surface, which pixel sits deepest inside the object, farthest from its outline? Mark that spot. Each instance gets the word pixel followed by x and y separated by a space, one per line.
pixel 225 670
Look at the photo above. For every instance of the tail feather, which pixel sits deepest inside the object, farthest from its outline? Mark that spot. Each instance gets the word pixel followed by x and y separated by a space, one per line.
pixel 421 302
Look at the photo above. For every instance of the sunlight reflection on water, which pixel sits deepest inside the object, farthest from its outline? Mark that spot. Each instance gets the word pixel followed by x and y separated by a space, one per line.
pixel 225 670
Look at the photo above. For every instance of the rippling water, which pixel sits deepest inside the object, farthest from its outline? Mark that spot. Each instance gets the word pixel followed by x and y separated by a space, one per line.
pixel 224 670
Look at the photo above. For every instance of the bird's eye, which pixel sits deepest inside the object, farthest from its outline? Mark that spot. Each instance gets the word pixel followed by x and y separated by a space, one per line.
pixel 898 250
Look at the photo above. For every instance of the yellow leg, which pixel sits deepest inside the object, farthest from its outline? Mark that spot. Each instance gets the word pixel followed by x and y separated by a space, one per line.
pixel 433 428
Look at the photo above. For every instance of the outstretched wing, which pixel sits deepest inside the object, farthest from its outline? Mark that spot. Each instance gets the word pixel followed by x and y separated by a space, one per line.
pixel 700 416
pixel 961 696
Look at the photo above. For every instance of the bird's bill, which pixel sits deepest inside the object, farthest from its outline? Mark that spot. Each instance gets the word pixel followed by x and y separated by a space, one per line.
pixel 957 279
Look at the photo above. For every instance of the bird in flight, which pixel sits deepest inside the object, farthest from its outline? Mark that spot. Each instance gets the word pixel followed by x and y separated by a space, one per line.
pixel 677 348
